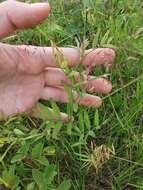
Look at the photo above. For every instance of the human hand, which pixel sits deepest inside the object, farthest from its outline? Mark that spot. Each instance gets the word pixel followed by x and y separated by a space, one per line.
pixel 28 73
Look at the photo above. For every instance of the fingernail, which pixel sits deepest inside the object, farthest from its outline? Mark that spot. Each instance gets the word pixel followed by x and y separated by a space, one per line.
pixel 90 101
pixel 107 87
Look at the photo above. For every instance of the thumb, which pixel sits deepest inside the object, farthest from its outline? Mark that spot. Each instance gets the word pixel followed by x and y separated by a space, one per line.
pixel 17 15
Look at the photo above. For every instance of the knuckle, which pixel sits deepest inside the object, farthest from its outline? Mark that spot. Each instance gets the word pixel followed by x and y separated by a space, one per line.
pixel 8 57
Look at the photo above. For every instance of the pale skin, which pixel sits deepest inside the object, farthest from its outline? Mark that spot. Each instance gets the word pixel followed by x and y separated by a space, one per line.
pixel 29 74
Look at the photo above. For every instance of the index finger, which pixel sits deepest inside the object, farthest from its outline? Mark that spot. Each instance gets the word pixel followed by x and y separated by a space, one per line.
pixel 44 56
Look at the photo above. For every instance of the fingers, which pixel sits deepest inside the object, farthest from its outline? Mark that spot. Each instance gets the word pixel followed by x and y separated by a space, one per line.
pixel 44 56
pixel 99 85
pixel 56 77
pixel 17 15
pixel 39 112
pixel 59 95
pixel 91 57
pixel 72 55
pixel 34 60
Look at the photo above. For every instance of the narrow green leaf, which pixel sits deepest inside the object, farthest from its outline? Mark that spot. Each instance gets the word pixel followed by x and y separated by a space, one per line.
pixel 96 120
pixel 65 185
pixel 56 110
pixel 18 132
pixel 17 158
pixel 87 120
pixel 81 122
pixel 9 178
pixel 56 130
pixel 49 174
pixel 21 153
pixel 41 111
pixel 24 148
pixel 30 186
pixel 42 160
pixel 37 150
pixel 91 133
pixel 38 178
pixel 105 37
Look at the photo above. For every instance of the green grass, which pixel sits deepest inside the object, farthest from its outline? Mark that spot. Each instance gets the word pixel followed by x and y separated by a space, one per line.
pixel 78 152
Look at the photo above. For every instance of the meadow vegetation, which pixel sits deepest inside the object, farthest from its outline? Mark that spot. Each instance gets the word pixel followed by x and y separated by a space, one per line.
pixel 102 148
